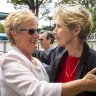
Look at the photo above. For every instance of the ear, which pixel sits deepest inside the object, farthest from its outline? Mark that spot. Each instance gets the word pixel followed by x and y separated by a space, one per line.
pixel 14 35
pixel 50 39
pixel 77 31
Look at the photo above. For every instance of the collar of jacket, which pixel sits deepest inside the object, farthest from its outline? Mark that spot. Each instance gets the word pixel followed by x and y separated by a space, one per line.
pixel 59 53
pixel 83 60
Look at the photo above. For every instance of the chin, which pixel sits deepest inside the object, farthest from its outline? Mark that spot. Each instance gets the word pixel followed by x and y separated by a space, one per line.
pixel 61 45
pixel 35 47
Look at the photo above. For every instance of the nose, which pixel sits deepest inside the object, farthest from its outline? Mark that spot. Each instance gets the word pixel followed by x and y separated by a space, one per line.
pixel 54 31
pixel 37 34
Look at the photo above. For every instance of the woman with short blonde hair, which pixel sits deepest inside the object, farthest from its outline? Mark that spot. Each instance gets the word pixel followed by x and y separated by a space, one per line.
pixel 73 58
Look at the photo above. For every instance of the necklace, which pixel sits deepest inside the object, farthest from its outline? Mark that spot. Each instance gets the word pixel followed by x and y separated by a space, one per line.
pixel 72 71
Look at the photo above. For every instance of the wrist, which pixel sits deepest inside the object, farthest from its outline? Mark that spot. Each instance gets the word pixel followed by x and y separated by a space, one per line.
pixel 83 85
pixel 74 87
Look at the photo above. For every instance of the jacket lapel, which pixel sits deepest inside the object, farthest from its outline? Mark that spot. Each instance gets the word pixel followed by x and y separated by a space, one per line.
pixel 83 60
pixel 56 64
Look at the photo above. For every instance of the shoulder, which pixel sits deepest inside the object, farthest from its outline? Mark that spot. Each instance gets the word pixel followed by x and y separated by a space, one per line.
pixel 91 56
pixel 14 58
pixel 57 50
pixel 87 51
pixel 13 54
pixel 92 52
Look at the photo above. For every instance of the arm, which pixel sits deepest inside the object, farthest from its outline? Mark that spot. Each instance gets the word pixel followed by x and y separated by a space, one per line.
pixel 21 78
pixel 88 83
pixel 43 56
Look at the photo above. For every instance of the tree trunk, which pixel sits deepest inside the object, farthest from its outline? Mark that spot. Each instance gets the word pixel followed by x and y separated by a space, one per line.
pixel 37 8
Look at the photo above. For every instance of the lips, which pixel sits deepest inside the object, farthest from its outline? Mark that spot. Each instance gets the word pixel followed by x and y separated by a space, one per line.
pixel 33 41
pixel 57 38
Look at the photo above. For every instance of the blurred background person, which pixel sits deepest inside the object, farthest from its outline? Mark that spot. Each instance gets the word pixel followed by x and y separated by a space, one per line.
pixel 46 40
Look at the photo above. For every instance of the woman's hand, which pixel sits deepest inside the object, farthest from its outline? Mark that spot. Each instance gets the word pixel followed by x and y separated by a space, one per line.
pixel 90 80
pixel 88 83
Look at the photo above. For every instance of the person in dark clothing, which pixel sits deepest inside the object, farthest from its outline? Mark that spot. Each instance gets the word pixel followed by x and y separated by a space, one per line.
pixel 72 58
pixel 46 41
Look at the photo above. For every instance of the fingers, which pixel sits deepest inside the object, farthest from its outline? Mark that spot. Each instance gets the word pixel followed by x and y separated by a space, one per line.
pixel 93 71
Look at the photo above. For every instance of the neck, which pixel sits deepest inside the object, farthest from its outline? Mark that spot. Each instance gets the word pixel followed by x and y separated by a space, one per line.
pixel 75 49
pixel 27 54
pixel 47 47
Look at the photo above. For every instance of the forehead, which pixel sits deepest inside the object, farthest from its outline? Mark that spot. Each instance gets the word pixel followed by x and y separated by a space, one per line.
pixel 31 23
pixel 43 35
pixel 58 21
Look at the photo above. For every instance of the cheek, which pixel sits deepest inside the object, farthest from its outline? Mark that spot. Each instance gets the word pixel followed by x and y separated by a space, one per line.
pixel 43 43
pixel 65 36
pixel 62 34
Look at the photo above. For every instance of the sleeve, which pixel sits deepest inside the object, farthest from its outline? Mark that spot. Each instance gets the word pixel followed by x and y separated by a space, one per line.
pixel 19 77
pixel 44 56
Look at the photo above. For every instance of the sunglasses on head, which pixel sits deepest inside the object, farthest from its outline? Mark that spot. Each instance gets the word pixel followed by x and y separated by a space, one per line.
pixel 31 31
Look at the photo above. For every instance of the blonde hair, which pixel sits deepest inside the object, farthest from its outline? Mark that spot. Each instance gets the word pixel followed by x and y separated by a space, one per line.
pixel 14 21
pixel 75 16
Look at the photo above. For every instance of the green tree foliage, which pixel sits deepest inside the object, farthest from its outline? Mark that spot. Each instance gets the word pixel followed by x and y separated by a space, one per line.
pixel 65 1
pixel 32 4
pixel 94 20
pixel 51 28
pixel 86 3
pixel 1 28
